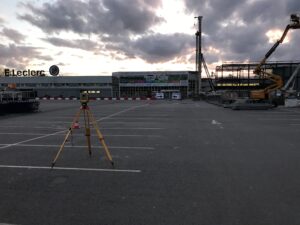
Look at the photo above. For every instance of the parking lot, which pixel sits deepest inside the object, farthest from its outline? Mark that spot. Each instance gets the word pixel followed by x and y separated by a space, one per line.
pixel 176 162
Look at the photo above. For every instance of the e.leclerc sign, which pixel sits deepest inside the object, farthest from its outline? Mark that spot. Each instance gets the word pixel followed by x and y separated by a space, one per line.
pixel 53 70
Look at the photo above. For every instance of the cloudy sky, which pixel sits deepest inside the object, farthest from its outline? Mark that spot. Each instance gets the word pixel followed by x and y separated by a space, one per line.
pixel 98 37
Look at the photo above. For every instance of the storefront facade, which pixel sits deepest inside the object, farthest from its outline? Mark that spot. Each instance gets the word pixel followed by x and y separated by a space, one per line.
pixel 146 84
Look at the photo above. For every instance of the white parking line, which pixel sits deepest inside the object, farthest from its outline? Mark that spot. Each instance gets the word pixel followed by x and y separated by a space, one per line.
pixel 18 133
pixel 80 146
pixel 17 126
pixel 69 122
pixel 7 224
pixel 141 118
pixel 69 168
pixel 101 128
pixel 125 110
pixel 32 139
pixel 292 111
pixel 217 123
pixel 275 119
pixel 48 135
pixel 93 135
pixel 132 128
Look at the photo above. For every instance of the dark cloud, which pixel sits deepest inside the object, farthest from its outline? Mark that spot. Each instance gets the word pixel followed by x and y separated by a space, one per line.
pixel 19 56
pixel 237 44
pixel 238 27
pixel 62 64
pixel 154 48
pixel 214 12
pixel 114 21
pixel 12 35
pixel 163 47
pixel 293 6
pixel 113 17
pixel 152 3
pixel 83 44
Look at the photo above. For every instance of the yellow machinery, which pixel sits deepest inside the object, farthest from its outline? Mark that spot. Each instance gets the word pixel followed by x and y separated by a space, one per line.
pixel 277 81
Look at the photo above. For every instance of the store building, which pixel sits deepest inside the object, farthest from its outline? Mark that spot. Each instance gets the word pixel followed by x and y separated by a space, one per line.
pixel 119 85
pixel 146 84
pixel 62 86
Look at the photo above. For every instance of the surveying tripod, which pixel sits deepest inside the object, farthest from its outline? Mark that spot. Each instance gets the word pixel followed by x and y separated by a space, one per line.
pixel 88 119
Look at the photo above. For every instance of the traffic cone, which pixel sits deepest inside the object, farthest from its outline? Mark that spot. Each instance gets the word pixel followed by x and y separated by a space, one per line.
pixel 75 125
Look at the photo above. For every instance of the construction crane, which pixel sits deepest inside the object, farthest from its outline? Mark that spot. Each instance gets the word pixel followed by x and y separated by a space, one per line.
pixel 209 77
pixel 277 82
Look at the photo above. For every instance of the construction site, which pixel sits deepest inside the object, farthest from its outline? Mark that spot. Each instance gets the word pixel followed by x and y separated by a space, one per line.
pixel 252 85
pixel 158 147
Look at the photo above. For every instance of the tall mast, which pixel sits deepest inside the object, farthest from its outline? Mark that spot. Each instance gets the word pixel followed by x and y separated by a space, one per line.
pixel 199 53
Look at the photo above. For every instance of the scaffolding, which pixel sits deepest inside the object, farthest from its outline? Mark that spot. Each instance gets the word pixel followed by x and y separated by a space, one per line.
pixel 235 75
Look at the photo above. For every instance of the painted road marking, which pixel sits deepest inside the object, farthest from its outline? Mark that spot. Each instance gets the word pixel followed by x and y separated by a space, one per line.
pixel 79 146
pixel 142 118
pixel 32 139
pixel 81 120
pixel 217 123
pixel 94 135
pixel 275 119
pixel 16 126
pixel 132 128
pixel 101 128
pixel 125 110
pixel 292 111
pixel 7 224
pixel 69 168
pixel 58 132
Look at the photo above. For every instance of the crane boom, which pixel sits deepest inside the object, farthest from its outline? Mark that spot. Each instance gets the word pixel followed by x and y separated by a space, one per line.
pixel 276 79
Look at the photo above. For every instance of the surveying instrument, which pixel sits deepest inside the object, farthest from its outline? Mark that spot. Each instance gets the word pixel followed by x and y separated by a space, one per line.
pixel 88 120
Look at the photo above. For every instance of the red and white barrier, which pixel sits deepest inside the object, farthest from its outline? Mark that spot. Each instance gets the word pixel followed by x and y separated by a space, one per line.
pixel 96 99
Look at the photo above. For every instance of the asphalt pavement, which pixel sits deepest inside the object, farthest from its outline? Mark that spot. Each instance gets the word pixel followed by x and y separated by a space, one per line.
pixel 176 162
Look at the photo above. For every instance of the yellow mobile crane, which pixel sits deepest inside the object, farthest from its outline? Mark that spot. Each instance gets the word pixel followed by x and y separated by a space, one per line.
pixel 263 94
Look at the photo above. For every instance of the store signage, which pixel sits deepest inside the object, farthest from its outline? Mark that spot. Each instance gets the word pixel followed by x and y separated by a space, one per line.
pixel 53 70
pixel 24 73
pixel 154 80
pixel 184 84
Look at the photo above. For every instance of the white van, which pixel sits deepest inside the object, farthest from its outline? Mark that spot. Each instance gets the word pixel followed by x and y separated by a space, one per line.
pixel 176 95
pixel 159 95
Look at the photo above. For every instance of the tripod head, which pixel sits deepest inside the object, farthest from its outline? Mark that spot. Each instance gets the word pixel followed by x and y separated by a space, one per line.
pixel 84 99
